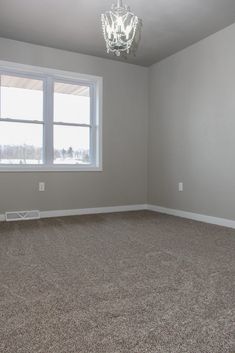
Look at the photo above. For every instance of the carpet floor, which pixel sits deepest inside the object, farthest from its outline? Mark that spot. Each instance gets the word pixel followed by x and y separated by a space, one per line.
pixel 136 282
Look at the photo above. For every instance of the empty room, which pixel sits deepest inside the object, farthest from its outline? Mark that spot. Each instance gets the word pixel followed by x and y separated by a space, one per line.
pixel 117 176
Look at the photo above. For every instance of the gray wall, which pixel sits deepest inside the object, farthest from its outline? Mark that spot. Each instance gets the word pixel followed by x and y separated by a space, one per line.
pixel 192 128
pixel 191 133
pixel 125 114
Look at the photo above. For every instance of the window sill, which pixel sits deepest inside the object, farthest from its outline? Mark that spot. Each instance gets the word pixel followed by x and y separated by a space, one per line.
pixel 56 168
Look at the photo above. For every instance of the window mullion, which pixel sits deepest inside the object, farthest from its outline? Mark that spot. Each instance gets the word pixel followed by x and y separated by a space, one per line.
pixel 48 121
pixel 0 95
pixel 93 126
pixel 9 120
pixel 71 124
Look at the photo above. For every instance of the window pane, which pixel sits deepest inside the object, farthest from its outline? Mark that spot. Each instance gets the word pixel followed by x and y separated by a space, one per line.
pixel 21 98
pixel 20 143
pixel 71 145
pixel 71 103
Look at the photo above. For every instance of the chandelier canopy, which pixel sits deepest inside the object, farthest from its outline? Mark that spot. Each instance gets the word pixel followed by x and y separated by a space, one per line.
pixel 119 28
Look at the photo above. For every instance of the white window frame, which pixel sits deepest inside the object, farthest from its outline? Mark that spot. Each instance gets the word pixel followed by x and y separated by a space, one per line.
pixel 49 76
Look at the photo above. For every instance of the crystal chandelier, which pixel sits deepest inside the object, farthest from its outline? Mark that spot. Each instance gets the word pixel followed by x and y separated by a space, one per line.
pixel 119 28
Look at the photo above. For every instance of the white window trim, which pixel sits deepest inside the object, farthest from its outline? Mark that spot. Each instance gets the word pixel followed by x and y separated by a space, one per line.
pixel 96 84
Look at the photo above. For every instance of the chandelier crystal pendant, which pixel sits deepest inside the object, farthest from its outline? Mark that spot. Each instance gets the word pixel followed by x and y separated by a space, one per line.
pixel 119 28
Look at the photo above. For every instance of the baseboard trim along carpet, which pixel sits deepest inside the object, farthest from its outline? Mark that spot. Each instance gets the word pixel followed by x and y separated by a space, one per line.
pixel 84 211
pixel 173 212
pixel 194 216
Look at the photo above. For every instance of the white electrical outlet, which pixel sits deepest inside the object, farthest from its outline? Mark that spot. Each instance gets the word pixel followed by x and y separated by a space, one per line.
pixel 41 186
pixel 181 187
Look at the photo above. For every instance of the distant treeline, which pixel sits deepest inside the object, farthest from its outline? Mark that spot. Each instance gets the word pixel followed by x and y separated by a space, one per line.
pixel 25 152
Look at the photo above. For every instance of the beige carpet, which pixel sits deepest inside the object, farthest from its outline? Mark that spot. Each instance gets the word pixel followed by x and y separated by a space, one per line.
pixel 136 282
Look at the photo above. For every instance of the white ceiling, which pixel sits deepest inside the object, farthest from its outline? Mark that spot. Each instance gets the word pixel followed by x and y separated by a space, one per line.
pixel 168 25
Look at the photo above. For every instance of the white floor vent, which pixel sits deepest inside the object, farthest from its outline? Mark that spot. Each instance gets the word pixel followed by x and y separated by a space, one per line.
pixel 22 215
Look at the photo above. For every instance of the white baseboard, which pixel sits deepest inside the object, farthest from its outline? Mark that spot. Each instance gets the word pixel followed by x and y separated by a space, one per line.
pixel 184 214
pixel 96 210
pixel 194 216
pixel 84 211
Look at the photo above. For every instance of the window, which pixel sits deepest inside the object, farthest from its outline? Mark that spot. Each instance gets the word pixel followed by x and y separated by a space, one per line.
pixel 49 121
pixel 72 123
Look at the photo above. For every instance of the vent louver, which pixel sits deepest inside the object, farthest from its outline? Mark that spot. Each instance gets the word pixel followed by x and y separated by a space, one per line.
pixel 22 215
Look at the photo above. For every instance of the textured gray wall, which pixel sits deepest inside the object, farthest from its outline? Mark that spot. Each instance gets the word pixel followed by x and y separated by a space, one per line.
pixel 125 114
pixel 192 128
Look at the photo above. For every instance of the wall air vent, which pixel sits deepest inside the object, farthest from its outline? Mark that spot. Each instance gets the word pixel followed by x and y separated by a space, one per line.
pixel 22 215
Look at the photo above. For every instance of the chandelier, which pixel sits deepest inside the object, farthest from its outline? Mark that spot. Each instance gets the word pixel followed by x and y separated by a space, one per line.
pixel 119 28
